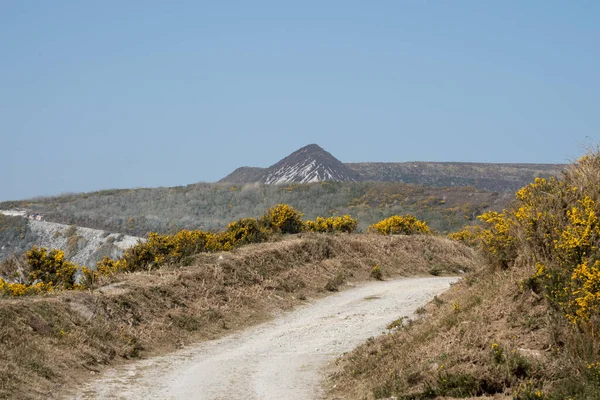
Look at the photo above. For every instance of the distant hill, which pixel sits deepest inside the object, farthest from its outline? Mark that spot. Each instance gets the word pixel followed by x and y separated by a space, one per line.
pixel 308 164
pixel 243 175
pixel 313 164
pixel 493 177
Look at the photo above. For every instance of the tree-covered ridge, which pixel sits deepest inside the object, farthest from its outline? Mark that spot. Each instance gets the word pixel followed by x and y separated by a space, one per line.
pixel 487 176
pixel 212 206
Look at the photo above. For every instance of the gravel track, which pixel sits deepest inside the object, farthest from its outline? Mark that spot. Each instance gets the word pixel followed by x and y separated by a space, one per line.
pixel 281 359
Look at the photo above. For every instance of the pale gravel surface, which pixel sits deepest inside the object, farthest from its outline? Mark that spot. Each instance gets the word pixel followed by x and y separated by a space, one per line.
pixel 281 359
pixel 13 213
pixel 52 235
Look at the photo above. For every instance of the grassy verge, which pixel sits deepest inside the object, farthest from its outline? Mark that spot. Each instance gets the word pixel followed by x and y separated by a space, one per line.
pixel 49 341
pixel 472 342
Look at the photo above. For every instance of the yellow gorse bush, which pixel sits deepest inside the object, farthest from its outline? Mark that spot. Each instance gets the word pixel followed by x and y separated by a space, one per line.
pixel 400 225
pixel 283 218
pixel 585 288
pixel 48 271
pixel 559 226
pixel 345 223
pixel 243 231
pixel 51 266
pixel 163 249
pixel 495 238
pixel 468 235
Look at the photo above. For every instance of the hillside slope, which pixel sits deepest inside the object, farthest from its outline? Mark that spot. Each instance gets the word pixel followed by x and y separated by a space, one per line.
pixel 16 235
pixel 244 175
pixel 450 351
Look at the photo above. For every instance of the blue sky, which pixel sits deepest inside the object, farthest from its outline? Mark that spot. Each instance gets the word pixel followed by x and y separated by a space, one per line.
pixel 118 94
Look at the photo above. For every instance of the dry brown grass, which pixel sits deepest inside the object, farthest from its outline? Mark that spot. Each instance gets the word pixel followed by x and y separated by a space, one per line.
pixel 69 337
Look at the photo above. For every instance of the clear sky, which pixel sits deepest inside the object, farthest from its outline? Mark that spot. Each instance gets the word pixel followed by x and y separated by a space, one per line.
pixel 115 94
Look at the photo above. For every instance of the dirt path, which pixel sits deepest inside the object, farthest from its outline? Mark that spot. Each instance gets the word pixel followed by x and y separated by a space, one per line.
pixel 281 359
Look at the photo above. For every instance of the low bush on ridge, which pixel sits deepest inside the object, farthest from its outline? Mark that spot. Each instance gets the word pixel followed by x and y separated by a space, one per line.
pixel 400 225
pixel 283 218
pixel 50 271
pixel 344 223
pixel 39 271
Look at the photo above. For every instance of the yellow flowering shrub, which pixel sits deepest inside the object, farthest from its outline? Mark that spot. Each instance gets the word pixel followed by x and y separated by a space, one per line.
pixel 108 267
pixel 13 289
pixel 468 235
pixel 580 237
pixel 345 223
pixel 585 289
pixel 558 225
pixel 162 249
pixel 243 231
pixel 16 289
pixel 400 225
pixel 283 218
pixel 51 266
pixel 496 239
pixel 47 270
pixel 376 272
